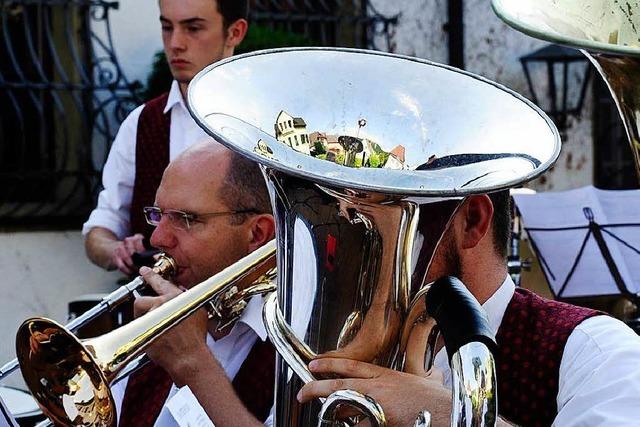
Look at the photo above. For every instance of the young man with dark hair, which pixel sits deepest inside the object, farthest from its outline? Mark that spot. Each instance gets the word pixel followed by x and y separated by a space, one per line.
pixel 557 364
pixel 229 371
pixel 195 33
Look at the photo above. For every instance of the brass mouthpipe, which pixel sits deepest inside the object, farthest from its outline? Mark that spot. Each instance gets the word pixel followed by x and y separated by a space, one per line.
pixel 70 379
pixel 164 266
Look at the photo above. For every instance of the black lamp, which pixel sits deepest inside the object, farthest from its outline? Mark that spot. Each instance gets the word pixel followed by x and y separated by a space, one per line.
pixel 567 74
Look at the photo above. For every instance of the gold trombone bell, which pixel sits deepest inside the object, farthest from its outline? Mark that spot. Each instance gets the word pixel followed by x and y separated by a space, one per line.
pixel 70 378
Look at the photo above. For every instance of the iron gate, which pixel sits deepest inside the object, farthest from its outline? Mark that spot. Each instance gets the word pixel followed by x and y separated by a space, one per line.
pixel 62 92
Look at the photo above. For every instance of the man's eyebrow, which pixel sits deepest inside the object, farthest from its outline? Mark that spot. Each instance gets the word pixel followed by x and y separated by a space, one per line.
pixel 187 21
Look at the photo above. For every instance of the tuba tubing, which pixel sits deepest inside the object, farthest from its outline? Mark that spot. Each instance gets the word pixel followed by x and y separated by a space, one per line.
pixel 470 345
pixel 164 266
pixel 70 379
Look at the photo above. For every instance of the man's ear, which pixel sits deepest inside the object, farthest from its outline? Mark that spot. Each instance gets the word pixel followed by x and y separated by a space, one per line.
pixel 262 230
pixel 236 32
pixel 477 216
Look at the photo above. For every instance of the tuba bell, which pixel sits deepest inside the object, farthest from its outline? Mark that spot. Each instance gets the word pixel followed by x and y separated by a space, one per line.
pixel 605 31
pixel 367 156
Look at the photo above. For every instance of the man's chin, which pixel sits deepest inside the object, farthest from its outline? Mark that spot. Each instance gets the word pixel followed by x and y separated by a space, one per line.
pixel 183 279
pixel 182 76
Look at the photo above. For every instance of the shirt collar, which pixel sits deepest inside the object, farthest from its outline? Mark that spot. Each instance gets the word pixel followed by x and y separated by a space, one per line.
pixel 175 97
pixel 496 305
pixel 252 316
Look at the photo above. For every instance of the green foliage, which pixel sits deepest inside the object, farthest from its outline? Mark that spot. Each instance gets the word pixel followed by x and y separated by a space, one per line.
pixel 318 148
pixel 159 78
pixel 258 37
pixel 377 160
pixel 261 37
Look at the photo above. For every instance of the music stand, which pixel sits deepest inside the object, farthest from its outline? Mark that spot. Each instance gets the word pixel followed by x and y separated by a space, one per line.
pixel 587 240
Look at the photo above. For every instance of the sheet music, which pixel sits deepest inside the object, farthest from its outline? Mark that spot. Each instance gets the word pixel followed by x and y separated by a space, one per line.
pixel 561 248
pixel 7 419
pixel 186 409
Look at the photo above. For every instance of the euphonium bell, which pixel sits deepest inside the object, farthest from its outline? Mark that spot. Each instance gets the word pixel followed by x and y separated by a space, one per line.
pixel 606 31
pixel 367 155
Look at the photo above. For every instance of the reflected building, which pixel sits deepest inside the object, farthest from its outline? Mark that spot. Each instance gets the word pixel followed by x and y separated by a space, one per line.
pixel 346 150
pixel 325 143
pixel 396 158
pixel 293 132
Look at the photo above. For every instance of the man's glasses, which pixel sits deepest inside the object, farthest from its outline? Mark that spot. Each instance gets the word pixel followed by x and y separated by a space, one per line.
pixel 183 220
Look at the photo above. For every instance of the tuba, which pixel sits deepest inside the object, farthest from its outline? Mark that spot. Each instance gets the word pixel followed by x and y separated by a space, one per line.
pixel 607 32
pixel 367 156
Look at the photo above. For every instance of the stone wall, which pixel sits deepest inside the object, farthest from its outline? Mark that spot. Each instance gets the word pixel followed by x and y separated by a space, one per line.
pixel 40 273
pixel 492 49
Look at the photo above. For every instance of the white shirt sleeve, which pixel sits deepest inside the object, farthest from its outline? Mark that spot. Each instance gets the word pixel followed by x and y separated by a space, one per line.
pixel 600 375
pixel 118 175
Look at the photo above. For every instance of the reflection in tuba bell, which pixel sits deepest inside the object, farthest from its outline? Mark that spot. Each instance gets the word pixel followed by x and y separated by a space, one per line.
pixel 606 32
pixel 367 156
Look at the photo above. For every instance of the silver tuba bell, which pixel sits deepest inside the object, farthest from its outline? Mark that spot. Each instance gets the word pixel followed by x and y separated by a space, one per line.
pixel 367 156
pixel 606 31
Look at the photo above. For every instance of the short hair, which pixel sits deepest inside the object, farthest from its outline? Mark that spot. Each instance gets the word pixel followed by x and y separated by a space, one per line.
pixel 232 10
pixel 501 221
pixel 245 188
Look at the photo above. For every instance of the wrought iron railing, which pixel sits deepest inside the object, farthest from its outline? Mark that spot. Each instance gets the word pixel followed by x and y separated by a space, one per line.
pixel 346 23
pixel 62 96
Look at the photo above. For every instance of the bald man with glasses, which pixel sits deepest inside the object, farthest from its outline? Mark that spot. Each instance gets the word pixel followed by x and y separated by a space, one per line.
pixel 211 209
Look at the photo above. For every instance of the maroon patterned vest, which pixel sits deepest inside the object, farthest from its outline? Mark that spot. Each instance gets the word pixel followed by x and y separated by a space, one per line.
pixel 531 342
pixel 152 157
pixel 148 389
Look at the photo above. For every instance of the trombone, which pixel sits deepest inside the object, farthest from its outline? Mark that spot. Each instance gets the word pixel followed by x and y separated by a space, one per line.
pixel 164 266
pixel 70 379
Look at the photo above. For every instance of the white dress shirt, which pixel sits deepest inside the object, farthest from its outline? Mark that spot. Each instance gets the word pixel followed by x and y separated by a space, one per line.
pixel 599 380
pixel 230 351
pixel 118 175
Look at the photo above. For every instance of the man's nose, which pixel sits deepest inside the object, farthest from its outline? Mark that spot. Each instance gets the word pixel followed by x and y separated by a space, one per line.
pixel 163 236
pixel 177 40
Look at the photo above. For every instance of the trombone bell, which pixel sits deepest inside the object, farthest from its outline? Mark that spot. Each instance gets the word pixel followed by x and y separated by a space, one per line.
pixel 79 394
pixel 70 379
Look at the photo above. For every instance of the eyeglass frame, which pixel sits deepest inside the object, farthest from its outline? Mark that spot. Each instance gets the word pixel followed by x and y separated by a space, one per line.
pixel 187 218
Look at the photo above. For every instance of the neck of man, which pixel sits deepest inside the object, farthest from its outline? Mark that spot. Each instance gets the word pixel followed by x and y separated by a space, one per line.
pixel 183 90
pixel 484 278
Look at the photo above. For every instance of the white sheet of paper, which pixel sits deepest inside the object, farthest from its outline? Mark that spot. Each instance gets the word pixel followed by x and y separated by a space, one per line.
pixel 186 409
pixel 560 248
pixel 6 418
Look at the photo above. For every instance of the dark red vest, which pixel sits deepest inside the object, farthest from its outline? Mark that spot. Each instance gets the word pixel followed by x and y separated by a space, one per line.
pixel 531 342
pixel 148 388
pixel 152 157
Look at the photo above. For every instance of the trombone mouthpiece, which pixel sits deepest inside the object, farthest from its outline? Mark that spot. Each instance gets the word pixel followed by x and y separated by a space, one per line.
pixel 165 265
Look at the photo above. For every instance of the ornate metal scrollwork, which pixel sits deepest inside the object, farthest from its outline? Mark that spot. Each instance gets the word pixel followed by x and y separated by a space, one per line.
pixel 62 97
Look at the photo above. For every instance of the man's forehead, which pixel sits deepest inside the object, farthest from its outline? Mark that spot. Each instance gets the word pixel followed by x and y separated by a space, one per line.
pixel 188 11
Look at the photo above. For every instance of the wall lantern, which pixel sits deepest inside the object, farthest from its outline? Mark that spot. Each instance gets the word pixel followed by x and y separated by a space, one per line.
pixel 563 73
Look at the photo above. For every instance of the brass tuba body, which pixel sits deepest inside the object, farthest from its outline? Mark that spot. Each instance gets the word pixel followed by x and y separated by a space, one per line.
pixel 366 156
